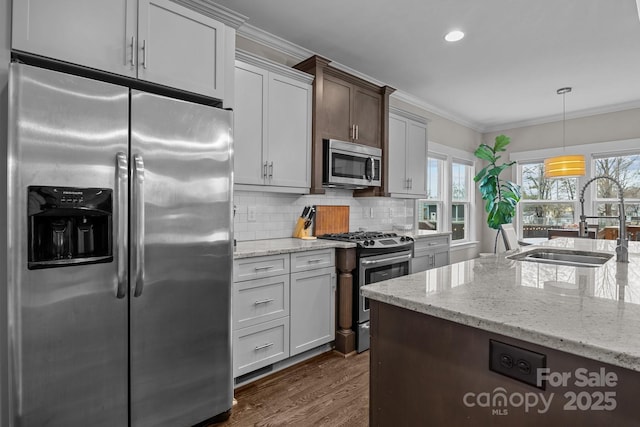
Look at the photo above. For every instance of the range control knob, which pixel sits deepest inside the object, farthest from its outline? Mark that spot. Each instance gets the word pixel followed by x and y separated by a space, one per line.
pixel 366 243
pixel 402 239
pixel 372 242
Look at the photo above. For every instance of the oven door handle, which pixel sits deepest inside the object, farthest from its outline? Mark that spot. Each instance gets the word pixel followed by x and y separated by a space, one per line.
pixel 386 260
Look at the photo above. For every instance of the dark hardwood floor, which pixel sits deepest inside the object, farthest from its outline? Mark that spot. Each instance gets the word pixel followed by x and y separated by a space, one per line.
pixel 328 390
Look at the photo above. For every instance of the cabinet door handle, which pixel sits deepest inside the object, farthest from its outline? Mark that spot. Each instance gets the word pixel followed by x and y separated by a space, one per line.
pixel 271 170
pixel 353 131
pixel 144 54
pixel 410 183
pixel 266 267
pixel 132 59
pixel 357 131
pixel 264 170
pixel 260 347
pixel 263 301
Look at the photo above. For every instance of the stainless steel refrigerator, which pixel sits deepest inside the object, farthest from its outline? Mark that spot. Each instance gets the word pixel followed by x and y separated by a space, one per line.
pixel 120 254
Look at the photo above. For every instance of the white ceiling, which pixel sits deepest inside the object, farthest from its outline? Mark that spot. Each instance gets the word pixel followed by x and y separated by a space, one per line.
pixel 504 73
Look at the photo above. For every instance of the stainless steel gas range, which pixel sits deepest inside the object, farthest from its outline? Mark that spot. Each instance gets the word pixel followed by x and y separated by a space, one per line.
pixel 380 256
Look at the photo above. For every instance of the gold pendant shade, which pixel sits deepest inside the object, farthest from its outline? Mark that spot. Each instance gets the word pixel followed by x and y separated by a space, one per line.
pixel 564 166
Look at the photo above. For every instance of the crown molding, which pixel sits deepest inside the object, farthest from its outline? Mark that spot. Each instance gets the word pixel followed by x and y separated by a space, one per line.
pixel 300 53
pixel 410 99
pixel 409 115
pixel 558 117
pixel 279 44
pixel 265 64
pixel 215 11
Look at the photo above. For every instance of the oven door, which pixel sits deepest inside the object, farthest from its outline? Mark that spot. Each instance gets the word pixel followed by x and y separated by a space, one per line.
pixel 376 268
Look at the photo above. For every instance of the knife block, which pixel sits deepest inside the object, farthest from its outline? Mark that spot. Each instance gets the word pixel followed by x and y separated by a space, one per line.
pixel 300 233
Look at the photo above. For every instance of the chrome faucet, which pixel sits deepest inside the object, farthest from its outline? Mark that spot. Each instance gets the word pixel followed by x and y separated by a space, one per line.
pixel 622 249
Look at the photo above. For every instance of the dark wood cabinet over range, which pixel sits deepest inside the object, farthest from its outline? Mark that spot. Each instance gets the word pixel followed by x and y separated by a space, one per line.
pixel 347 108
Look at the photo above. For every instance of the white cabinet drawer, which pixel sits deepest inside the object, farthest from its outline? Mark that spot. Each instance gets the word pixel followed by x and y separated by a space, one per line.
pixel 311 260
pixel 258 346
pixel 261 300
pixel 431 242
pixel 424 246
pixel 259 267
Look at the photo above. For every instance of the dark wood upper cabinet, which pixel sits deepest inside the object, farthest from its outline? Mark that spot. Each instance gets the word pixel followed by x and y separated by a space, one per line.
pixel 336 111
pixel 367 116
pixel 347 108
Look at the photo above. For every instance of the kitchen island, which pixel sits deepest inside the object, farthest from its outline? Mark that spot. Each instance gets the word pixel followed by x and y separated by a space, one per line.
pixel 432 332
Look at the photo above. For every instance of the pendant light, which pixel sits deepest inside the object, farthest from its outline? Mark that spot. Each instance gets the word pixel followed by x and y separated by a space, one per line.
pixel 564 166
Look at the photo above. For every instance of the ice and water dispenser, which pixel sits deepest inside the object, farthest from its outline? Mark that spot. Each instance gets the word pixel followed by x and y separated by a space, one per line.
pixel 69 226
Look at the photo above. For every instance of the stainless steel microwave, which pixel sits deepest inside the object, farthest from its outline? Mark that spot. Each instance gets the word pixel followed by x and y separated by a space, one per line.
pixel 349 165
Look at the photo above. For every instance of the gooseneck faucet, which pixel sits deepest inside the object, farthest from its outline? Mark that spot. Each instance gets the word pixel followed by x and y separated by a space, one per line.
pixel 622 249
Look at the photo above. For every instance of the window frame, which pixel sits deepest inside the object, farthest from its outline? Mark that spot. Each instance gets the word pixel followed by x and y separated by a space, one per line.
pixel 444 203
pixel 593 193
pixel 590 151
pixel 466 202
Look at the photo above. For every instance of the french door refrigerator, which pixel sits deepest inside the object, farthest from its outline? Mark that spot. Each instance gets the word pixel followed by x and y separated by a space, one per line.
pixel 120 254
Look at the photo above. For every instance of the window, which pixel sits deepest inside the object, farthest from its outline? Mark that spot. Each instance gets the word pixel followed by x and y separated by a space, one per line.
pixel 430 210
pixel 460 200
pixel 626 170
pixel 450 194
pixel 546 203
pixel 555 203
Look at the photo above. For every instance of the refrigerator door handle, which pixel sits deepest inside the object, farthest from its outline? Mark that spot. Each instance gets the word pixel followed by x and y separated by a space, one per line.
pixel 122 178
pixel 138 206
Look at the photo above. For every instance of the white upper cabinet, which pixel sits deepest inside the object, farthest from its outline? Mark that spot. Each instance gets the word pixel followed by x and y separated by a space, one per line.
pixel 407 155
pixel 94 33
pixel 272 126
pixel 159 41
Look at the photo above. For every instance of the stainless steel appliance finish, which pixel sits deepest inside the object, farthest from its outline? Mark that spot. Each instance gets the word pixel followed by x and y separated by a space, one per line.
pixel 380 256
pixel 350 165
pixel 143 340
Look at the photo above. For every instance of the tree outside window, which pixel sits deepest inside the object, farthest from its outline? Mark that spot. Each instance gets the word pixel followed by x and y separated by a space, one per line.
pixel 626 170
pixel 546 203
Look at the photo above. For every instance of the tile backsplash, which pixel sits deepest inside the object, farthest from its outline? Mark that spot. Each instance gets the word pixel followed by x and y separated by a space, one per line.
pixel 262 215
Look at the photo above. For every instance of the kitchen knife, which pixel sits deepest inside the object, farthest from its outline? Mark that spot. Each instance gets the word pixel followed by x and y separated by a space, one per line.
pixel 305 211
pixel 307 223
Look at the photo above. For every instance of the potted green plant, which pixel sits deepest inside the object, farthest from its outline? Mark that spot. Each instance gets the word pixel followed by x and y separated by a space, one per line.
pixel 500 195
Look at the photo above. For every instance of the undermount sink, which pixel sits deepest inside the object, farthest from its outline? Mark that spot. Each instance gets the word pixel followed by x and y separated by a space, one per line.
pixel 569 257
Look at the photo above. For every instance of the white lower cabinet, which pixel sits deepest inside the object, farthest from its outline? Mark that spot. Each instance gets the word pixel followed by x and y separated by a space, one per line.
pixel 430 252
pixel 260 345
pixel 283 305
pixel 313 301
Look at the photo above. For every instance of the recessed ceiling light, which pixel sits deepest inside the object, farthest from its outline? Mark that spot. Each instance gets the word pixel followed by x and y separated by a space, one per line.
pixel 454 36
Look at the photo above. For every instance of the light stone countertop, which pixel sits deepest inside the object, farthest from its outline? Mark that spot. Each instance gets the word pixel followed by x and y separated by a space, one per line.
pixel 424 234
pixel 254 248
pixel 589 312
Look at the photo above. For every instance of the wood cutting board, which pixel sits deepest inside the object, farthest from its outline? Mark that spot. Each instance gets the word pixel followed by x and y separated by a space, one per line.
pixel 331 219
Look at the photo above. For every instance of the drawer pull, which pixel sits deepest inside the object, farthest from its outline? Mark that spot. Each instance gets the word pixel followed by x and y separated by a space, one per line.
pixel 316 260
pixel 260 347
pixel 266 267
pixel 263 301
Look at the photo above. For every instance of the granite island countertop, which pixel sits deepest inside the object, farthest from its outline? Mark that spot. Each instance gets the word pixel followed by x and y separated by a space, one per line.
pixel 255 248
pixel 586 311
